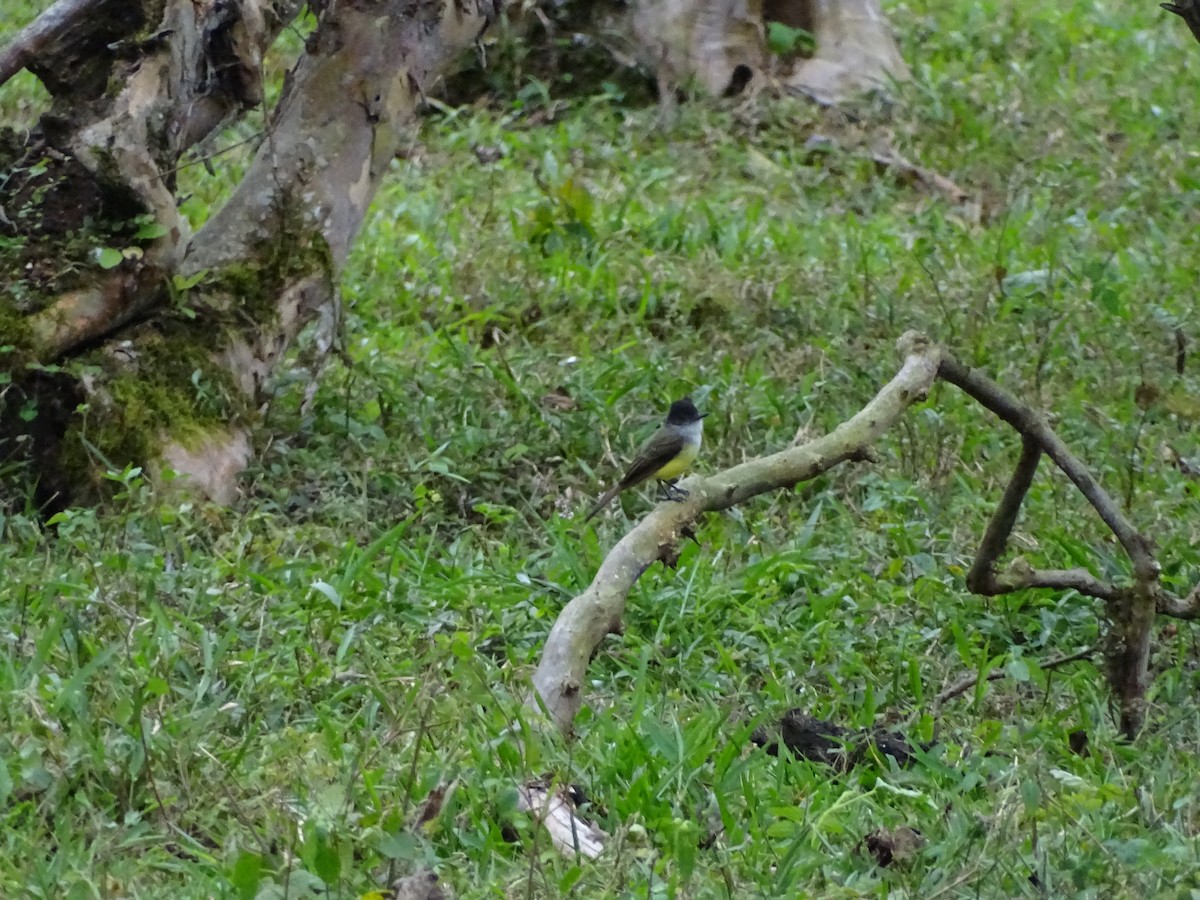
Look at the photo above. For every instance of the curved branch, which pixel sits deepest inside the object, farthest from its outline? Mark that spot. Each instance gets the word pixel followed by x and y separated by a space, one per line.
pixel 850 440
pixel 1020 577
pixel 589 617
pixel 1177 608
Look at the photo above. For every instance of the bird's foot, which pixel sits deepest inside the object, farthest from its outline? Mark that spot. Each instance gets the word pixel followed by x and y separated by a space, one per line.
pixel 668 491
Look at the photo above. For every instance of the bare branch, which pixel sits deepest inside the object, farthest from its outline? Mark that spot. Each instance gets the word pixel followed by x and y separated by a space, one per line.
pixel 589 617
pixel 983 578
pixel 1020 576
pixel 961 687
pixel 46 28
pixel 1131 611
pixel 1031 425
pixel 1186 608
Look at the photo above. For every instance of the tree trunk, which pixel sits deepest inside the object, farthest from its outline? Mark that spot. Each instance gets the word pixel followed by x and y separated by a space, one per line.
pixel 164 355
pixel 720 46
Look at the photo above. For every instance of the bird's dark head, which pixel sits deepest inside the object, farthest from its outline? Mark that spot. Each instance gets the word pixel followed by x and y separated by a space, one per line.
pixel 684 412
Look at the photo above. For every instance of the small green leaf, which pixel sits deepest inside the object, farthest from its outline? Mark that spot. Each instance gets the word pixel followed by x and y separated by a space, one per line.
pixel 400 846
pixel 330 592
pixel 182 283
pixel 784 39
pixel 687 839
pixel 247 872
pixel 108 258
pixel 1106 297
pixel 569 879
pixel 327 863
pixel 1031 795
pixel 1017 669
pixel 150 231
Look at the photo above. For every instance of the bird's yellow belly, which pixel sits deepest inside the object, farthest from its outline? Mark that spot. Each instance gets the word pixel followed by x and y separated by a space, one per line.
pixel 679 464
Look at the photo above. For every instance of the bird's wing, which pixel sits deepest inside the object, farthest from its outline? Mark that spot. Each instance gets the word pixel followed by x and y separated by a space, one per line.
pixel 662 447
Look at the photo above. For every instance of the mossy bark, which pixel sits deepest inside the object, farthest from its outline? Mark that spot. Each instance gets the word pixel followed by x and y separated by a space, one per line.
pixel 108 367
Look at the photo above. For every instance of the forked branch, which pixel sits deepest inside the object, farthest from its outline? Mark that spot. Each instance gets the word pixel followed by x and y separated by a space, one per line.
pixel 1031 426
pixel 983 577
pixel 1131 610
pixel 588 618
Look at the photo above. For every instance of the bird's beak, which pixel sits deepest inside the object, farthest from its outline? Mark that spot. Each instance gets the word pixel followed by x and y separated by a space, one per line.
pixel 704 415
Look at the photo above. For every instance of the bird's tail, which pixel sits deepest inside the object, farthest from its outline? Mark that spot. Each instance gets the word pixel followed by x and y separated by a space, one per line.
pixel 605 499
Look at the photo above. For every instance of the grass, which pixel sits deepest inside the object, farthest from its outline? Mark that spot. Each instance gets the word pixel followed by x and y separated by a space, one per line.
pixel 257 701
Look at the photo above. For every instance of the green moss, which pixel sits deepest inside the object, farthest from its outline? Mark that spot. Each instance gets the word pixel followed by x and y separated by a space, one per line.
pixel 174 388
pixel 15 333
pixel 171 382
pixel 250 290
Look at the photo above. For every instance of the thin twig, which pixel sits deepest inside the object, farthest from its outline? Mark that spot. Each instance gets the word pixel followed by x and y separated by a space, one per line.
pixel 961 687
pixel 205 159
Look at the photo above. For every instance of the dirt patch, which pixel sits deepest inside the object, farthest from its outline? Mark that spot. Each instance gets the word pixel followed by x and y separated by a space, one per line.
pixel 54 215
pixel 34 413
pixel 896 846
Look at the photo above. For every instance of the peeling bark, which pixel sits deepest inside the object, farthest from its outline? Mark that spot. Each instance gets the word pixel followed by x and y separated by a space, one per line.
pixel 721 46
pixel 856 52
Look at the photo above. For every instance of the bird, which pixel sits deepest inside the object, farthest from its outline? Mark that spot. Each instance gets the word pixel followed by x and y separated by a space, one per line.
pixel 665 456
